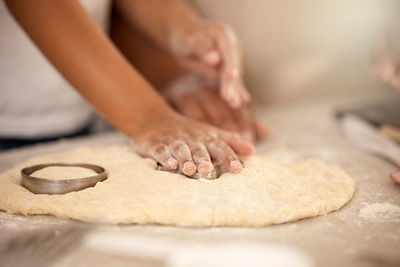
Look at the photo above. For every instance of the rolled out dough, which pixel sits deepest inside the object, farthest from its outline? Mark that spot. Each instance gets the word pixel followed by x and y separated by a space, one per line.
pixel 65 172
pixel 265 192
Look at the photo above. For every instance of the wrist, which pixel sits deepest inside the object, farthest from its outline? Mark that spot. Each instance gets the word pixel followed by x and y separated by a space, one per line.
pixel 153 115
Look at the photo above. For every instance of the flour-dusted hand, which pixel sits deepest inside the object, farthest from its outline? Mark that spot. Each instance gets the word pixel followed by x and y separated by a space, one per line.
pixel 212 49
pixel 205 47
pixel 197 98
pixel 175 141
pixel 386 56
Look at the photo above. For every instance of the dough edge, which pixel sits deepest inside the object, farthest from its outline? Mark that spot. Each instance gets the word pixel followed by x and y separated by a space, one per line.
pixel 21 201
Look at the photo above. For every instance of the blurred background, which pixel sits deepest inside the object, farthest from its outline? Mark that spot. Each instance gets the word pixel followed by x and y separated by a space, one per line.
pixel 308 49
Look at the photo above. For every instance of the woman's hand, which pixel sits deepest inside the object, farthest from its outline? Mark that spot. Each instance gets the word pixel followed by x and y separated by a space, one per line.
pixel 175 141
pixel 197 98
pixel 213 50
pixel 205 47
pixel 386 56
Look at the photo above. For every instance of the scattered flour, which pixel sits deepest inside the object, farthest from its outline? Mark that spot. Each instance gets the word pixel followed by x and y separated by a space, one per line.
pixel 381 212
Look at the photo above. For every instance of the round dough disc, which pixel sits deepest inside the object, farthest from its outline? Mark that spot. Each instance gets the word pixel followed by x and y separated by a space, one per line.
pixel 266 192
pixel 63 172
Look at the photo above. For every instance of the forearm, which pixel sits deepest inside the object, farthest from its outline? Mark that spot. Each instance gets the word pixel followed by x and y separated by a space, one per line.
pixel 74 44
pixel 158 18
pixel 154 63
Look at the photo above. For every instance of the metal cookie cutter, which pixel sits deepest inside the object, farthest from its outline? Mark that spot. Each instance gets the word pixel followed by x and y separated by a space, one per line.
pixel 216 172
pixel 51 186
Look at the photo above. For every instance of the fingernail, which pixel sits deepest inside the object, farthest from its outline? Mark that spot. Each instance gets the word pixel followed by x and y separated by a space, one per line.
pixel 189 168
pixel 205 167
pixel 172 163
pixel 236 166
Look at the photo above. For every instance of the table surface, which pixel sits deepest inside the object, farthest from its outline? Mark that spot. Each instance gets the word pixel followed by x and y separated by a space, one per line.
pixel 365 232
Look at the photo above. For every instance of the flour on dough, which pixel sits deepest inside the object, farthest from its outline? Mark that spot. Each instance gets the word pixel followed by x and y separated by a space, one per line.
pixel 266 192
pixel 63 172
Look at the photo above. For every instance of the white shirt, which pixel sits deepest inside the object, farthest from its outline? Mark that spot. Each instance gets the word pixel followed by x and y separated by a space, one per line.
pixel 35 100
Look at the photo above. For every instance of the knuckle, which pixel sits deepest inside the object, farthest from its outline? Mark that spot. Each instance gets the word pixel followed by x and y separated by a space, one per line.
pixel 159 152
pixel 181 150
pixel 219 144
pixel 231 156
pixel 177 144
pixel 199 149
pixel 142 146
pixel 158 149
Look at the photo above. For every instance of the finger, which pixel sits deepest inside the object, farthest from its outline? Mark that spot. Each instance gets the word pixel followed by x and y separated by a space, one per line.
pixel 211 57
pixel 202 48
pixel 238 144
pixel 199 43
pixel 229 91
pixel 217 111
pixel 245 119
pixel 162 155
pixel 181 152
pixel 201 157
pixel 383 71
pixel 224 154
pixel 240 89
pixel 207 71
pixel 189 43
pixel 387 71
pixel 259 129
pixel 227 44
pixel 245 95
pixel 396 177
pixel 262 130
pixel 199 47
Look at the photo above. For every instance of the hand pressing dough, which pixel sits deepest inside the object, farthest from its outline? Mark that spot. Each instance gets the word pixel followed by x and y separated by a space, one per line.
pixel 265 192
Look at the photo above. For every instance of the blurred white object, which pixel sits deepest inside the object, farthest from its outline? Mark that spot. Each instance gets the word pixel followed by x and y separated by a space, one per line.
pixel 368 138
pixel 238 255
pixel 189 254
pixel 36 101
